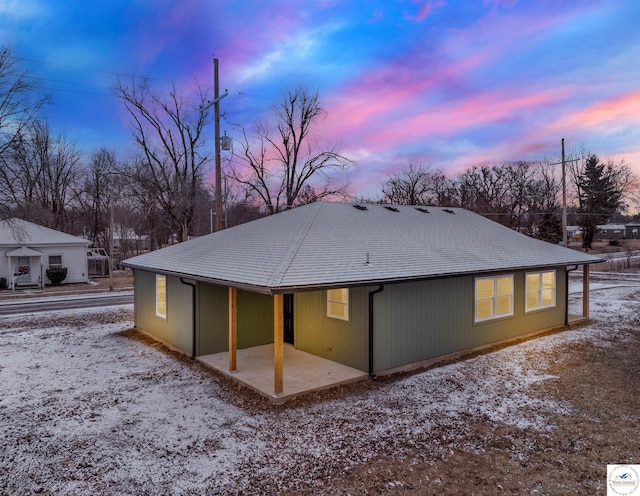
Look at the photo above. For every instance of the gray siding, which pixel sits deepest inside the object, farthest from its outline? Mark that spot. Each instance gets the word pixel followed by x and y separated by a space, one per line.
pixel 421 320
pixel 176 329
pixel 255 319
pixel 334 339
pixel 213 319
pixel 412 321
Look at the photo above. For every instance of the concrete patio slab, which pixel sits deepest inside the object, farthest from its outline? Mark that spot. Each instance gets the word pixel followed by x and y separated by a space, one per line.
pixel 303 372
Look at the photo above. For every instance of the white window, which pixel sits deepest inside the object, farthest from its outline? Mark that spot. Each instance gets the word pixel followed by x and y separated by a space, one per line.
pixel 493 297
pixel 161 296
pixel 338 304
pixel 540 290
pixel 55 261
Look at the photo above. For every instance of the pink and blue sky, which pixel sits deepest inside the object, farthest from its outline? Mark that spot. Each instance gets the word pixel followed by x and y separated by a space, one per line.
pixel 444 83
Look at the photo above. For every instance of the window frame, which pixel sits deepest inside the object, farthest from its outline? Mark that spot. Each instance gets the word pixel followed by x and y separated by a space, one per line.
pixel 339 302
pixel 540 290
pixel 55 266
pixel 25 266
pixel 493 298
pixel 158 312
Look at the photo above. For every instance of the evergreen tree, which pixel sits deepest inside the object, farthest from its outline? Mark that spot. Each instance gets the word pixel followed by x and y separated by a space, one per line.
pixel 599 193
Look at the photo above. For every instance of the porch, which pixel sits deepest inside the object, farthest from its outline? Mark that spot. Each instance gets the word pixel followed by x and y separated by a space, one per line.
pixel 303 372
pixel 578 312
pixel 24 263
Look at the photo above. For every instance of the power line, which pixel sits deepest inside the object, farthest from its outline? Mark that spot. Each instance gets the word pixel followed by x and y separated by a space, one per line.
pixel 68 90
pixel 39 78
pixel 108 93
pixel 40 83
pixel 113 73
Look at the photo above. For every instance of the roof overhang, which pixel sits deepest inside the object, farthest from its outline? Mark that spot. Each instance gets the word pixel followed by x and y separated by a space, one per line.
pixel 194 277
pixel 321 286
pixel 24 251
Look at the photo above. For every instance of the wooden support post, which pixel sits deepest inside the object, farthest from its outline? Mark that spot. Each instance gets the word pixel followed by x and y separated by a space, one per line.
pixel 233 327
pixel 278 343
pixel 585 290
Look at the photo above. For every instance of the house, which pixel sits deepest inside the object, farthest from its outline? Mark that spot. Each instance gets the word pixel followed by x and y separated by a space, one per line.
pixel 125 240
pixel 574 232
pixel 376 288
pixel 27 250
pixel 632 230
pixel 610 231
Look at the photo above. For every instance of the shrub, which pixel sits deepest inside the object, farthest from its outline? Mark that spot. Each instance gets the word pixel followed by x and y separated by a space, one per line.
pixel 57 275
pixel 3 283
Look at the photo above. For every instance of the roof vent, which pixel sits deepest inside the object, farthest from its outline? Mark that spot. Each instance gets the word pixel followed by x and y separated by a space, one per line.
pixel 449 211
pixel 391 209
pixel 360 207
pixel 423 210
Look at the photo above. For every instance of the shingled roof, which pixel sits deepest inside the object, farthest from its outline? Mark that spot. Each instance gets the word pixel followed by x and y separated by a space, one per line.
pixel 324 245
pixel 24 233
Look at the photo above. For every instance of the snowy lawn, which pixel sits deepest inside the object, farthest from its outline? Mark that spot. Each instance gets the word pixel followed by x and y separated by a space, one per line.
pixel 88 406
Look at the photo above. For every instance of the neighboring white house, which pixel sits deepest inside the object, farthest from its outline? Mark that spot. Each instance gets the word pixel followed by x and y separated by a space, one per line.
pixel 126 240
pixel 27 250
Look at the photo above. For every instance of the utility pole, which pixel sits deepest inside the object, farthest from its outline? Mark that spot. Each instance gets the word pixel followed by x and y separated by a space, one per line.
pixel 216 109
pixel 111 241
pixel 564 198
pixel 564 193
pixel 216 118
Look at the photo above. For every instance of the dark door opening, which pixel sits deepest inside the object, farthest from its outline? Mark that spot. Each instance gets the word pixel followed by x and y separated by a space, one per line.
pixel 288 318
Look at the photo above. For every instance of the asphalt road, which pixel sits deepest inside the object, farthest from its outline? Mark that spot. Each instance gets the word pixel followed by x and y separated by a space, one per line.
pixel 66 302
pixel 51 303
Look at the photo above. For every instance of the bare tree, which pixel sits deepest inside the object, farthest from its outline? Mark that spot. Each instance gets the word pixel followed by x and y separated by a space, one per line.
pixel 19 99
pixel 483 189
pixel 415 184
pixel 169 133
pixel 277 168
pixel 521 195
pixel 410 186
pixel 93 196
pixel 20 103
pixel 444 190
pixel 143 198
pixel 239 207
pixel 38 175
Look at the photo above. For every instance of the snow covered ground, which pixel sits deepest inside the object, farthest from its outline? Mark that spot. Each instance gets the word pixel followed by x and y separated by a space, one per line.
pixel 87 406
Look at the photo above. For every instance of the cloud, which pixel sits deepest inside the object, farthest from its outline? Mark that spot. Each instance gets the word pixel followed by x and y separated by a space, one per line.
pixel 426 8
pixel 20 10
pixel 610 115
pixel 498 3
pixel 448 119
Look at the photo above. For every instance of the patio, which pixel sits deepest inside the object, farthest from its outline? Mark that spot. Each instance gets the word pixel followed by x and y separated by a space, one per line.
pixel 303 372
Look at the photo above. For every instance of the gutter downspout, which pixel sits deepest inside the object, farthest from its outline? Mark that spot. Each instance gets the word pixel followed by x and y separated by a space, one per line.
pixel 193 316
pixel 566 296
pixel 371 295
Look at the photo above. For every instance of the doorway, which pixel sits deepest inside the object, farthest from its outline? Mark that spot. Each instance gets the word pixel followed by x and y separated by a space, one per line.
pixel 23 271
pixel 288 317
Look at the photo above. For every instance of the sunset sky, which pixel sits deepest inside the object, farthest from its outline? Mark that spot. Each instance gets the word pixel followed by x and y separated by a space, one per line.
pixel 448 84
